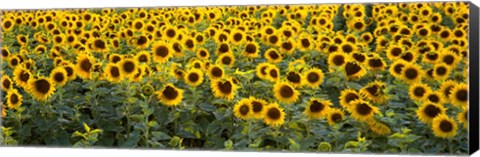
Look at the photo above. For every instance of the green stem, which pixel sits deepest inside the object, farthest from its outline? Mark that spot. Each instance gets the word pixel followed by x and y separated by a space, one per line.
pixel 308 125
pixel 174 120
pixel 127 110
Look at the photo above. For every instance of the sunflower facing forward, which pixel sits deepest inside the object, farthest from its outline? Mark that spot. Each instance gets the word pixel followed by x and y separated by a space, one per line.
pixel 14 99
pixel 284 92
pixel 170 95
pixel 274 115
pixel 7 83
pixel 317 108
pixel 362 110
pixel 459 95
pixel 335 116
pixel 59 76
pixel 243 109
pixel 84 66
pixel 258 106
pixel 347 96
pixel 223 88
pixel 428 111
pixel 444 126
pixel 41 88
pixel 313 77
pixel 193 77
pixel 113 73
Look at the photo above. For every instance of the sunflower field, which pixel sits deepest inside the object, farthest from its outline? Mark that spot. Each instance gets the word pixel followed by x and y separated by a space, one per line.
pixel 378 78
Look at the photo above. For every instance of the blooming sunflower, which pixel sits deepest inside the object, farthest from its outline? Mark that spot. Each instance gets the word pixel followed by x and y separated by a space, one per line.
pixel 215 72
pixel 41 88
pixel 462 117
pixel 194 77
pixel 373 91
pixel 359 57
pixel 313 77
pixel 444 126
pixel 337 59
pixel 459 95
pixel 59 76
pixel 84 66
pixel 294 78
pixel 441 71
pixel 273 56
pixel 128 67
pixel 435 97
pixel 396 68
pixel 284 92
pixel 335 116
pixel 412 73
pixel 354 70
pixel 162 52
pixel 143 57
pixel 258 106
pixel 418 91
pixel 273 73
pixel 223 88
pixel 251 50
pixel 274 115
pixel 170 95
pixel 227 59
pixel 428 111
pixel 376 63
pixel 446 88
pixel 347 96
pixel 362 110
pixel 70 69
pixel 317 108
pixel 21 76
pixel 243 109
pixel 115 58
pixel 202 53
pixel 113 73
pixel 14 99
pixel 7 83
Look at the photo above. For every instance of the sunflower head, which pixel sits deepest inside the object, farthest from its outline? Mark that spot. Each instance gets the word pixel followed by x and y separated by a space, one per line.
pixel 362 110
pixel 317 108
pixel 354 70
pixel 193 77
pixel 243 109
pixel 128 67
pixel 418 91
pixel 252 50
pixel 412 73
pixel 113 73
pixel 459 95
pixel 286 93
pixel 258 107
pixel 59 76
pixel 14 99
pixel 215 72
pixel 170 95
pixel 7 83
pixel 379 128
pixel 162 52
pixel 224 88
pixel 428 111
pixel 444 126
pixel 313 77
pixel 335 116
pixel 41 88
pixel 85 66
pixel 374 91
pixel 274 115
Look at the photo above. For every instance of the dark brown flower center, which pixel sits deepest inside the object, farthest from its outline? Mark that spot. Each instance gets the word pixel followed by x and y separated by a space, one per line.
pixel 441 71
pixel 293 77
pixel 244 110
pixel 223 48
pixel 313 77
pixel 129 66
pixel 286 91
pixel 193 77
pixel 42 86
pixel 58 77
pixel 274 113
pixel 462 95
pixel 170 93
pixel 375 63
pixel 161 51
pixel 86 65
pixel 171 33
pixel 99 44
pixel 446 126
pixel 217 72
pixel 411 73
pixel 433 98
pixel 256 106
pixel 338 60
pixel 251 49
pixel 14 99
pixel 431 111
pixel 115 71
pixel 273 73
pixel 419 91
pixel 363 109
pixel 336 117
pixel 316 106
pixel 225 87
pixel 352 68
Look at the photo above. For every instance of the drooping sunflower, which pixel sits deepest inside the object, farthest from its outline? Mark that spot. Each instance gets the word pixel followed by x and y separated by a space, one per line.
pixel 444 126
pixel 251 50
pixel 14 99
pixel 193 77
pixel 215 72
pixel 362 110
pixel 284 92
pixel 373 91
pixel 337 59
pixel 313 77
pixel 274 115
pixel 21 76
pixel 412 73
pixel 7 83
pixel 418 91
pixel 427 111
pixel 41 88
pixel 459 95
pixel 224 88
pixel 335 116
pixel 317 108
pixel 273 56
pixel 84 66
pixel 59 76
pixel 113 73
pixel 162 52
pixel 128 67
pixel 379 128
pixel 354 70
pixel 170 95
pixel 243 109
pixel 462 117
pixel 227 59
pixel 258 107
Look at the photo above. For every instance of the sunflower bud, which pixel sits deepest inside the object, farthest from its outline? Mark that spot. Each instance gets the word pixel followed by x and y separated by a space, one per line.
pixel 147 90
pixel 324 147
pixel 176 141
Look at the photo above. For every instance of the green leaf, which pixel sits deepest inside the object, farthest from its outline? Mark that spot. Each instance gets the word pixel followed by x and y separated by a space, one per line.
pixel 158 135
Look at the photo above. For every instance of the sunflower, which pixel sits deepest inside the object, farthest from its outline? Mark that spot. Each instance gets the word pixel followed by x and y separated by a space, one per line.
pixel 418 91
pixel 84 66
pixel 261 70
pixel 441 71
pixel 284 92
pixel 446 88
pixel 143 57
pixel 274 40
pixel 444 127
pixel 335 116
pixel 7 83
pixel 14 99
pixel 313 77
pixel 70 69
pixel 170 95
pixel 222 48
pixel 435 97
pixel 459 95
pixel 431 57
pixel 376 63
pixel 274 115
pixel 113 73
pixel 128 67
pixel 202 54
pixel 374 91
pixel 288 46
pixel 215 72
pixel 273 73
pixel 394 51
pixel 358 56
pixel 22 39
pixel 115 58
pixel 412 73
pixel 7 24
pixel 41 88
pixel 427 111
pixel 194 77
pixel 462 117
pixel 223 88
pixel 243 109
pixel 258 107
pixel 273 56
pixel 317 108
pixel 347 47
pixel 449 58
pixel 59 76
pixel 189 44
pixel 396 68
pixel 379 128
pixel 354 70
pixel 294 78
pixel 251 50
pixel 362 110
pixel 21 76
pixel 237 37
pixel 347 96
pixel 162 52
pixel 227 59
pixel 170 32
pixel 14 61
pixel 5 52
